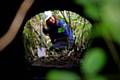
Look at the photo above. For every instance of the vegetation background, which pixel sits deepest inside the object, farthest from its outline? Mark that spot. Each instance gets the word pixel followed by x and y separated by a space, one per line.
pixel 103 14
pixel 33 37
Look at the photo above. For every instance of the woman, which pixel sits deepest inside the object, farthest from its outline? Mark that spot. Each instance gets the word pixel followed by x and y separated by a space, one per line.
pixel 59 32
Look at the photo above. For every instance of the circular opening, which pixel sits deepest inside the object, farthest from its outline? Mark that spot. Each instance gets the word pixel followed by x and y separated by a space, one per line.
pixel 56 38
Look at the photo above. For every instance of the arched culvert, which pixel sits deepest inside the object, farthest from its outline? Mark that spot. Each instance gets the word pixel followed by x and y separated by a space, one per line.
pixel 56 38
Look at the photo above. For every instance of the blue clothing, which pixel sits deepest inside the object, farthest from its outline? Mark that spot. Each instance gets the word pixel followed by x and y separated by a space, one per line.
pixel 67 31
pixel 61 34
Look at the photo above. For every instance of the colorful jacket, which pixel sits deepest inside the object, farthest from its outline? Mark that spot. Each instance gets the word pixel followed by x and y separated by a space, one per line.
pixel 61 35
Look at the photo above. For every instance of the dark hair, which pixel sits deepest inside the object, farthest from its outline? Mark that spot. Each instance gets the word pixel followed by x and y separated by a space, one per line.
pixel 50 24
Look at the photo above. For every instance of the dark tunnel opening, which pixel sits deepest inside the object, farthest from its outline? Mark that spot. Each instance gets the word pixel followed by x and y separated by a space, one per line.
pixel 13 55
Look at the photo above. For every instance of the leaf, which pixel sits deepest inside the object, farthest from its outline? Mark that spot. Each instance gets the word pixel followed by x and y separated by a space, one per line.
pixel 93 61
pixel 61 75
pixel 60 30
pixel 83 2
pixel 92 11
pixel 95 77
pixel 110 16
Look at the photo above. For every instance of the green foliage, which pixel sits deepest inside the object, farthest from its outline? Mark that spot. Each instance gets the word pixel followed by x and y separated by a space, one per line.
pixel 37 18
pixel 29 39
pixel 93 61
pixel 110 18
pixel 60 30
pixel 91 7
pixel 61 75
pixel 95 77
pixel 108 12
pixel 30 36
pixel 81 27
